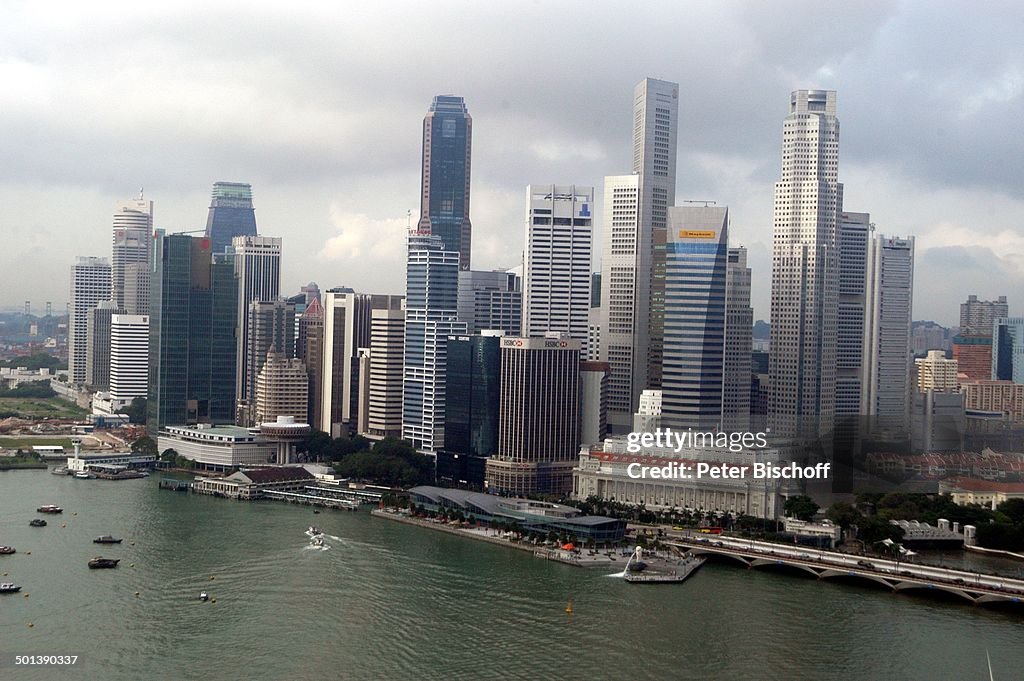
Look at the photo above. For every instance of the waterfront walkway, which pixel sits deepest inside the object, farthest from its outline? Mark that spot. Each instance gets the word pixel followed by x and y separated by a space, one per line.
pixel 974 587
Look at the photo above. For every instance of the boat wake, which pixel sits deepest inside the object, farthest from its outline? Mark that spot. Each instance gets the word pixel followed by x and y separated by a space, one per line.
pixel 311 547
pixel 617 574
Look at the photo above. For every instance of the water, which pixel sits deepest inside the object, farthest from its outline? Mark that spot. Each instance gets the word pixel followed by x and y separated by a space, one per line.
pixel 390 601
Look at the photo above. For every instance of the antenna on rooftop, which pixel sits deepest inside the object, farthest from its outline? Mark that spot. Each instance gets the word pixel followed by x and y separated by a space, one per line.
pixel 706 203
pixel 408 219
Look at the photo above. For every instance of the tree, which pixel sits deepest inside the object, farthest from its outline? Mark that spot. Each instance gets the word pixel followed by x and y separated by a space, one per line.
pixel 137 411
pixel 800 506
pixel 1013 509
pixel 874 529
pixel 145 445
pixel 843 514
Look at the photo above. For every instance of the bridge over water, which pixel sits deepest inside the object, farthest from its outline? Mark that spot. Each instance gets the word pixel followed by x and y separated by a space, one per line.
pixel 974 587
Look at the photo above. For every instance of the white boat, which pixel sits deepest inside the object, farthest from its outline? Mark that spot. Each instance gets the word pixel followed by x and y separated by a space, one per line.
pixel 82 475
pixel 8 588
pixel 313 531
pixel 317 540
pixel 60 470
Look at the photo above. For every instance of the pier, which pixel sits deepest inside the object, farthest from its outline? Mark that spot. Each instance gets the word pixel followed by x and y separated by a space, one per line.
pixel 973 587
pixel 314 496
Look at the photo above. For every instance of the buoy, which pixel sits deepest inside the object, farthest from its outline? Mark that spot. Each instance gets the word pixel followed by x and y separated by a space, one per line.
pixel 28 553
pixel 131 543
pixel 63 524
pixel 131 564
pixel 212 578
pixel 568 608
pixel 214 600
pixel 26 595
pixel 5 574
pixel 30 625
pixel 136 594
pixel 75 513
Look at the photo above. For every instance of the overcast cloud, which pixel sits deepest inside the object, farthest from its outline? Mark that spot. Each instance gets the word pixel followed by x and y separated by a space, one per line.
pixel 319 106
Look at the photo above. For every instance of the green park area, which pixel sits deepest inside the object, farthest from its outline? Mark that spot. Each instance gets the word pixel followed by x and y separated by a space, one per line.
pixel 26 443
pixel 39 408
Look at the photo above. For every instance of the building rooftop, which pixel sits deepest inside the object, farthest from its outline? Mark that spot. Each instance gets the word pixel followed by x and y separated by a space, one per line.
pixel 268 475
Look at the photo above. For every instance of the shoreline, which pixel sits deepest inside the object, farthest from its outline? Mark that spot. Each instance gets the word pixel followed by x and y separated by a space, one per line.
pixel 600 560
pixel 995 552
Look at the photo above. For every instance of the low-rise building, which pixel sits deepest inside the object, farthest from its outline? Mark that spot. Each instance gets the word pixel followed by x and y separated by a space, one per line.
pixel 218 447
pixel 985 493
pixel 805 528
pixel 250 484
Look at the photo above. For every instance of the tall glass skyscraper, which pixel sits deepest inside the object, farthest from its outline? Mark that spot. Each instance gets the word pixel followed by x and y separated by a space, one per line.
pixel 192 334
pixel 231 214
pixel 444 197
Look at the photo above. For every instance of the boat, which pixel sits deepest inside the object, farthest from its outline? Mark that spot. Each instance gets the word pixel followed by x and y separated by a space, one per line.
pixel 50 508
pixel 316 512
pixel 60 470
pixel 107 539
pixel 314 530
pixel 82 475
pixel 7 550
pixel 8 588
pixel 37 522
pixel 203 596
pixel 100 562
pixel 317 540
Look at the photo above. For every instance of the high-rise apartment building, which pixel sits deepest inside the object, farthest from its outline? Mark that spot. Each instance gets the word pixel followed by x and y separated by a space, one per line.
pixel 491 300
pixel 1008 349
pixel 257 262
pixel 387 356
pixel 430 318
pixel 129 357
pixel 97 355
pixel 805 268
pixel 889 297
pixel 936 373
pixel 538 428
pixel 281 389
pixel 854 232
pixel 231 214
pixel 444 197
pixel 90 284
pixel 556 261
pixel 697 257
pixel 632 275
pixel 978 316
pixel 133 237
pixel 192 334
pixel 310 349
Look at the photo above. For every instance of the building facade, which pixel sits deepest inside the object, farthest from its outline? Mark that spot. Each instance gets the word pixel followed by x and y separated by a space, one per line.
pixel 556 261
pixel 133 237
pixel 129 357
pixel 593 401
pixel 282 389
pixel 444 197
pixel 97 354
pixel 257 261
pixel 271 329
pixel 490 300
pixel 90 284
pixel 309 347
pixel 387 356
pixel 739 322
pixel 1005 397
pixel 1008 349
pixel 935 372
pixel 473 373
pixel 978 316
pixel 538 428
pixel 854 233
pixel 805 268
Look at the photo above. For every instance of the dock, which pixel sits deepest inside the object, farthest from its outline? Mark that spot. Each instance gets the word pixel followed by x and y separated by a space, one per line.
pixel 668 574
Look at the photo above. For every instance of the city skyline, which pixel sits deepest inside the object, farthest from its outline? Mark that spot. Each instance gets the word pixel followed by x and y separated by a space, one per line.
pixel 334 180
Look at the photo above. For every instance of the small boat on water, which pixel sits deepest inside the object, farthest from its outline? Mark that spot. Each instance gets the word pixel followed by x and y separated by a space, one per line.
pixel 60 470
pixel 203 596
pixel 107 539
pixel 100 562
pixel 37 522
pixel 7 550
pixel 8 588
pixel 82 475
pixel 50 508
pixel 314 530
pixel 317 540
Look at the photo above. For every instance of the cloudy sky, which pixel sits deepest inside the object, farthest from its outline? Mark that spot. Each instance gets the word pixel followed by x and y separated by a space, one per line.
pixel 319 106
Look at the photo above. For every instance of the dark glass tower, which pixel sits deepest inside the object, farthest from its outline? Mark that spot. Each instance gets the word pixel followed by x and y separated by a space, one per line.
pixel 474 376
pixel 444 199
pixel 192 334
pixel 231 214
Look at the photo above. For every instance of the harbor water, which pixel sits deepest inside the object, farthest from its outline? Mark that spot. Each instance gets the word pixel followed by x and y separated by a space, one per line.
pixel 385 600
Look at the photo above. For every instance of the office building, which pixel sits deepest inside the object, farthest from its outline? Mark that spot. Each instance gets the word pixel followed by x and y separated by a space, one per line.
pixel 539 425
pixel 444 198
pixel 632 274
pixel 694 320
pixel 192 334
pixel 430 318
pixel 594 401
pixel 889 297
pixel 133 236
pixel 1008 349
pixel 257 262
pixel 935 372
pixel 556 261
pixel 593 353
pixel 97 355
pixel 90 285
pixel 271 329
pixel 387 356
pixel 282 389
pixel 231 214
pixel 311 292
pixel 805 265
pixel 937 421
pixel 739 323
pixel 978 316
pixel 309 348
pixel 973 354
pixel 129 358
pixel 490 300
pixel 854 232
pixel 473 372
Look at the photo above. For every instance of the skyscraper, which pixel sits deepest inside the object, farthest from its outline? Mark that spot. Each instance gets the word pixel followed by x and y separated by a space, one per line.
pixel 473 373
pixel 192 334
pixel 281 389
pixel 129 357
pixel 853 235
pixel 696 268
pixel 491 300
pixel 739 322
pixel 973 343
pixel 133 235
pixel 231 214
pixel 387 350
pixel 889 299
pixel 633 266
pixel 805 268
pixel 430 318
pixel 310 349
pixel 90 284
pixel 539 423
pixel 444 198
pixel 97 355
pixel 556 262
pixel 1008 349
pixel 257 263
pixel 978 316
pixel 271 329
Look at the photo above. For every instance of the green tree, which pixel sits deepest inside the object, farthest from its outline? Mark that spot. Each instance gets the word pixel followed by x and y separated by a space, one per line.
pixel 137 411
pixel 874 529
pixel 843 514
pixel 800 506
pixel 145 445
pixel 1013 509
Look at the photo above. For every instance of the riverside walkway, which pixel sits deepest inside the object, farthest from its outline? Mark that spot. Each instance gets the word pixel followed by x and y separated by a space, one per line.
pixel 974 587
